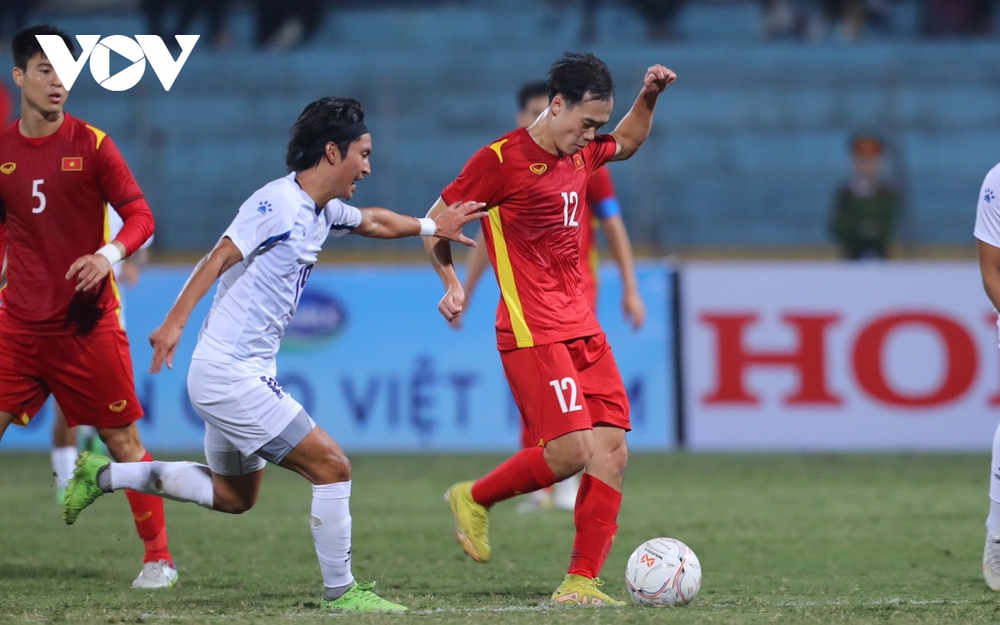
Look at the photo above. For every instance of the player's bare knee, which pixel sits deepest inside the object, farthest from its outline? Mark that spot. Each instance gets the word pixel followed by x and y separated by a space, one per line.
pixel 123 443
pixel 569 455
pixel 335 468
pixel 232 503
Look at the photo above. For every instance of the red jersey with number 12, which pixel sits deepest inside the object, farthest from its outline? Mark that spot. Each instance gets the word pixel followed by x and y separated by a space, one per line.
pixel 54 193
pixel 535 203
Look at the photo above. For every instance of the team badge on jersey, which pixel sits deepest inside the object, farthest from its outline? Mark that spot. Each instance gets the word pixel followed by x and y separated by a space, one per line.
pixel 538 168
pixel 72 163
pixel 578 162
pixel 988 196
pixel 8 168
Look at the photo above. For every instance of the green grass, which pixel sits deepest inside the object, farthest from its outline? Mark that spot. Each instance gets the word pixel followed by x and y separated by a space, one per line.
pixel 786 539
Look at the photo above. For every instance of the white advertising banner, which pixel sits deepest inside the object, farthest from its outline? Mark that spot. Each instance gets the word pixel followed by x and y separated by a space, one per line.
pixel 838 356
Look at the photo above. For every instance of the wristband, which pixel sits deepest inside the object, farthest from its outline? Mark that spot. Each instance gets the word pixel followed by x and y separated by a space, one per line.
pixel 427 226
pixel 111 252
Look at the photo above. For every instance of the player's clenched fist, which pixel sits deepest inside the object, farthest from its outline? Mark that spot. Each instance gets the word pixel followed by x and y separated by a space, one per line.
pixel 452 303
pixel 657 78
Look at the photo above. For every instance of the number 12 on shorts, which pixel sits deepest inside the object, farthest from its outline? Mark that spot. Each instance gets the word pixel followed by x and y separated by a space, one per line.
pixel 561 386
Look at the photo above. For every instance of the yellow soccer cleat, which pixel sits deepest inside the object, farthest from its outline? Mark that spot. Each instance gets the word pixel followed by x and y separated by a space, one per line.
pixel 472 523
pixel 579 590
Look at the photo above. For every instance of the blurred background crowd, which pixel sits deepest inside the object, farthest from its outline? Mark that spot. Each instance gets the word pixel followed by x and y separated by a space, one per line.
pixel 798 128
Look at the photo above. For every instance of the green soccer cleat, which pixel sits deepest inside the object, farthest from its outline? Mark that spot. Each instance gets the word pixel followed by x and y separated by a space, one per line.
pixel 361 598
pixel 579 590
pixel 83 488
pixel 472 522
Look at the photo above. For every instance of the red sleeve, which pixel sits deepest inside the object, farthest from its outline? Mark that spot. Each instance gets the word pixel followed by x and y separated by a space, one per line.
pixel 5 103
pixel 599 151
pixel 3 247
pixel 120 189
pixel 3 232
pixel 599 186
pixel 480 181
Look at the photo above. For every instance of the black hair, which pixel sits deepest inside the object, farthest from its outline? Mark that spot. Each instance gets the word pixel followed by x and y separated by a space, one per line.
pixel 578 77
pixel 321 118
pixel 531 90
pixel 25 45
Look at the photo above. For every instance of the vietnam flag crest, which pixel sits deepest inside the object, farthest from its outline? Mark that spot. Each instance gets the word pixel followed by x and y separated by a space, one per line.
pixel 578 162
pixel 72 163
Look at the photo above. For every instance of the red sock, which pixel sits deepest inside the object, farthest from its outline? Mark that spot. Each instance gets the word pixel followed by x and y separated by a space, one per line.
pixel 525 472
pixel 596 513
pixel 147 510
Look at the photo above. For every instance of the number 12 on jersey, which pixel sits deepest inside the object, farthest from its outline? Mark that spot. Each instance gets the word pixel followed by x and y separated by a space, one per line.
pixel 571 202
pixel 561 386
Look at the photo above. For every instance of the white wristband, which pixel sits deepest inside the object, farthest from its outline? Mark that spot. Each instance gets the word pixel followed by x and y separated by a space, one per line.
pixel 427 226
pixel 111 252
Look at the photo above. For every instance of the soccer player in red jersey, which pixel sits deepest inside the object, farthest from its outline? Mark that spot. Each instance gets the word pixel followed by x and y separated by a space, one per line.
pixel 557 360
pixel 601 208
pixel 59 328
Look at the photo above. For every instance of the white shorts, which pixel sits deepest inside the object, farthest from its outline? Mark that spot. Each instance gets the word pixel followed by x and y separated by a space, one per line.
pixel 248 417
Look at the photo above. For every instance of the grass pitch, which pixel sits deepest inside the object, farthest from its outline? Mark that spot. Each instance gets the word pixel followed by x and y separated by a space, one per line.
pixel 792 539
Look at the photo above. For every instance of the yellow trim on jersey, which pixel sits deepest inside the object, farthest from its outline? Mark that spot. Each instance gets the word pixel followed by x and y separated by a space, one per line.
pixel 594 259
pixel 114 283
pixel 496 148
pixel 100 134
pixel 508 288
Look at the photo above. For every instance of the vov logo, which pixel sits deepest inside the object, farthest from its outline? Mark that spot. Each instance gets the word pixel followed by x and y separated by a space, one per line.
pixel 98 50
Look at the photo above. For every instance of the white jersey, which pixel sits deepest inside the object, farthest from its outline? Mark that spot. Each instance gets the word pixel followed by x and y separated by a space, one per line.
pixel 988 209
pixel 280 231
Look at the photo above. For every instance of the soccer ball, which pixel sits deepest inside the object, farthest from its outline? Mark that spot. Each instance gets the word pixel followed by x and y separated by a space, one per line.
pixel 663 571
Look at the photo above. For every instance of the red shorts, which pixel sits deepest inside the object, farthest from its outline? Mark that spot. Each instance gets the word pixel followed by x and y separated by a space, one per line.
pixel 90 376
pixel 566 387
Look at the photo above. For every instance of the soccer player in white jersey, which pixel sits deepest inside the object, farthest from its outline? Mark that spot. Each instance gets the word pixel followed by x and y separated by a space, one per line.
pixel 987 233
pixel 263 260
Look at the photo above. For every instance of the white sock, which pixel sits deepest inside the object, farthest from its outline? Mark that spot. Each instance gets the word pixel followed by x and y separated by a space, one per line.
pixel 993 520
pixel 331 528
pixel 63 464
pixel 180 481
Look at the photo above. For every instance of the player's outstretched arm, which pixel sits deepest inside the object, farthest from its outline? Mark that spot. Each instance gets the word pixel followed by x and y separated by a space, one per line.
pixel 989 266
pixel 166 338
pixel 439 250
pixel 633 129
pixel 479 258
pixel 621 251
pixel 382 223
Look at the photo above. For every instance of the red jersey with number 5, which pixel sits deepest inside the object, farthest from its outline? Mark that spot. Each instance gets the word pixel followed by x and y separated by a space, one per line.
pixel 54 193
pixel 533 234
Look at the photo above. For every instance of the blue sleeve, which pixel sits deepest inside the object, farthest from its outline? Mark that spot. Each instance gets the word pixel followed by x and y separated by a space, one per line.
pixel 607 208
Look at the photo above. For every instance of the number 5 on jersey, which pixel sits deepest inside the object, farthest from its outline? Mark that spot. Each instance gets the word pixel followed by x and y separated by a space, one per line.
pixel 36 192
pixel 561 386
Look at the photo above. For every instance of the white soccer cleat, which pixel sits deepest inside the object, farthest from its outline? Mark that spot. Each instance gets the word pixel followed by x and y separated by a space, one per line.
pixel 564 493
pixel 161 574
pixel 991 561
pixel 538 501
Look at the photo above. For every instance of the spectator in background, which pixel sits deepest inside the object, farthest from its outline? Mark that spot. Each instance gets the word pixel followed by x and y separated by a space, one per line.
pixel 17 12
pixel 815 20
pixel 659 15
pixel 187 11
pixel 866 208
pixel 942 18
pixel 285 24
